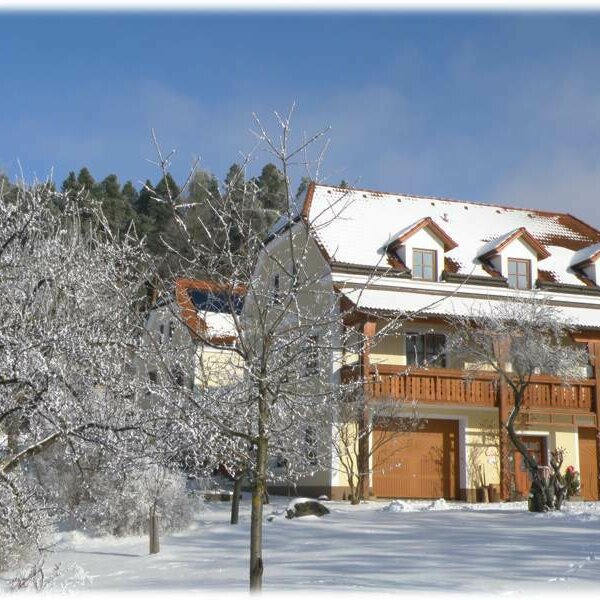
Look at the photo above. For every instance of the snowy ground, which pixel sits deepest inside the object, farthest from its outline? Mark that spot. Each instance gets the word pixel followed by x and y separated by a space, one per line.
pixel 375 547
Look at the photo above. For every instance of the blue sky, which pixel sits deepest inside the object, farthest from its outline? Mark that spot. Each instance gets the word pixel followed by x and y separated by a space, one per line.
pixel 490 107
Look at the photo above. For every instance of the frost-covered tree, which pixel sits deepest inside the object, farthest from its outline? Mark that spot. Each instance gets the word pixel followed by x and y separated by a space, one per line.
pixel 355 420
pixel 520 338
pixel 261 406
pixel 69 290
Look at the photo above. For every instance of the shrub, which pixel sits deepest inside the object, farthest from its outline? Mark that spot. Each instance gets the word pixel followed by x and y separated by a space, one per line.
pixel 572 481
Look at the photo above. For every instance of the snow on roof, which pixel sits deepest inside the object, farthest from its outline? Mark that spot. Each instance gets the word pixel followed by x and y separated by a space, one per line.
pixel 355 226
pixel 414 305
pixel 493 244
pixel 219 324
pixel 206 307
pixel 428 223
pixel 590 253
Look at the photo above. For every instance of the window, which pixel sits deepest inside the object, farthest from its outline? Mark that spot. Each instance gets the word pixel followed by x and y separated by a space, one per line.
pixel 312 356
pixel 161 338
pixel 310 442
pixel 519 273
pixel 216 302
pixel 425 350
pixel 171 329
pixel 424 264
pixel 177 374
pixel 281 462
pixel 276 299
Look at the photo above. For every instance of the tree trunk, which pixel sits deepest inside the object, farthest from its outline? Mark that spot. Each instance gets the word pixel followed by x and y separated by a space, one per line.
pixel 363 455
pixel 538 495
pixel 538 492
pixel 361 488
pixel 235 499
pixel 153 532
pixel 353 483
pixel 256 516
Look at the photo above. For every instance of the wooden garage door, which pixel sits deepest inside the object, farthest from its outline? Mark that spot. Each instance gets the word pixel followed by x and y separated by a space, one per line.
pixel 420 464
pixel 588 463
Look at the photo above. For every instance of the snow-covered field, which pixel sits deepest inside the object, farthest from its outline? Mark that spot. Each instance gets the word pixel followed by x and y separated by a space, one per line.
pixel 376 547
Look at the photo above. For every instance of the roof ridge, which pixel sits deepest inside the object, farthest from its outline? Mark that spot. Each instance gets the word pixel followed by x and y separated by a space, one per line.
pixel 455 200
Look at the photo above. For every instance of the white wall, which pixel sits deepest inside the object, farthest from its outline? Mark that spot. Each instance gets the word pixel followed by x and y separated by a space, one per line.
pixel 518 249
pixel 425 240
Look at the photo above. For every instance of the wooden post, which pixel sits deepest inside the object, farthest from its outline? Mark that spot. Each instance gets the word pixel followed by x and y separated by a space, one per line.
pixel 153 530
pixel 368 331
pixel 594 352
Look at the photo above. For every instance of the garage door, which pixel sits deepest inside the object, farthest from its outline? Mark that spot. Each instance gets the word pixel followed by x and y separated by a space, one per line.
pixel 588 463
pixel 420 464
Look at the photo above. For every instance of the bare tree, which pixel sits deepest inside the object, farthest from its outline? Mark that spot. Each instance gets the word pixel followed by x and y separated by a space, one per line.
pixel 518 339
pixel 267 398
pixel 354 418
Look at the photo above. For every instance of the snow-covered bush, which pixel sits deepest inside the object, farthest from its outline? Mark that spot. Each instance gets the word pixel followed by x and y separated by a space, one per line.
pixel 57 578
pixel 111 494
pixel 121 502
pixel 25 522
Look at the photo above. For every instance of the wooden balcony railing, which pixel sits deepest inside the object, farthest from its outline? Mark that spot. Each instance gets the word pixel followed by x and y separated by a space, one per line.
pixel 449 386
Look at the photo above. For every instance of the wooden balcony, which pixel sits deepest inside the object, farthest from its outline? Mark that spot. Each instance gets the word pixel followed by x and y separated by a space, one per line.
pixel 448 386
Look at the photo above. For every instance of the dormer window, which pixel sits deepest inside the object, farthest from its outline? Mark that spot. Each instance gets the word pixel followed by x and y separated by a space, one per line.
pixel 424 264
pixel 514 256
pixel 519 273
pixel 416 248
pixel 585 264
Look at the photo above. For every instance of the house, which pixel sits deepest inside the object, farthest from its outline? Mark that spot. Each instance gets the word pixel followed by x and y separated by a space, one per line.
pixel 427 259
pixel 193 330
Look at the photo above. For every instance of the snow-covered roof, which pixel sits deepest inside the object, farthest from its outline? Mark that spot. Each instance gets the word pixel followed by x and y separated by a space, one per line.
pixel 355 227
pixel 442 304
pixel 424 223
pixel 585 255
pixel 494 243
pixel 207 308
pixel 218 324
pixel 498 244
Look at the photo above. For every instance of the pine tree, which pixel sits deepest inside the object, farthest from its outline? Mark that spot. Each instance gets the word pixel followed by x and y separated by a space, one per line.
pixel 116 207
pixel 302 187
pixel 235 182
pixel 130 193
pixel 167 189
pixel 70 184
pixel 272 189
pixel 145 198
pixel 85 179
pixel 203 193
pixel 111 186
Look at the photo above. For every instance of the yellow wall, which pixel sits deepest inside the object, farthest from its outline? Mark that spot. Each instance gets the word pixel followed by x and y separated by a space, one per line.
pixel 567 439
pixel 339 477
pixel 217 367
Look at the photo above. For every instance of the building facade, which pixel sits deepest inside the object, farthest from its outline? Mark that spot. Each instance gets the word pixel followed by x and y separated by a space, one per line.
pixel 420 261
